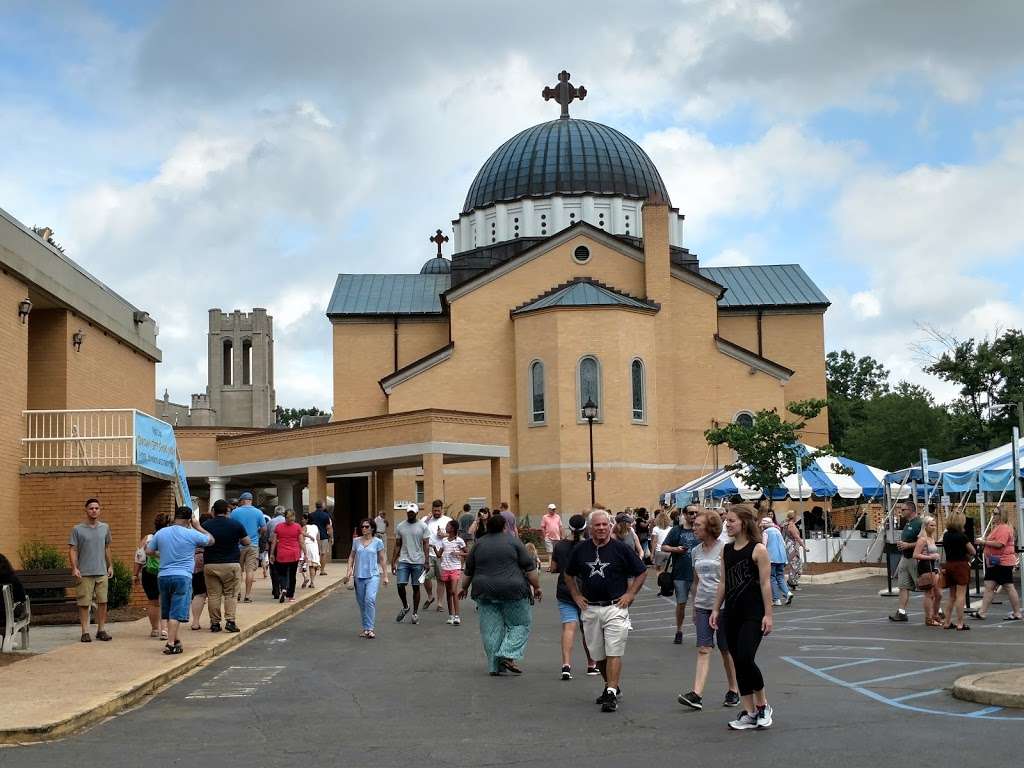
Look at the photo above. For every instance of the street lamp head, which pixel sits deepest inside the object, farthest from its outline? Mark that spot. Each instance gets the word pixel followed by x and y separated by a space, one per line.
pixel 589 410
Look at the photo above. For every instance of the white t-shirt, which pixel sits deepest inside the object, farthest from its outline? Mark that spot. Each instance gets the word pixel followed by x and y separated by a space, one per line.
pixel 447 549
pixel 436 528
pixel 708 566
pixel 658 536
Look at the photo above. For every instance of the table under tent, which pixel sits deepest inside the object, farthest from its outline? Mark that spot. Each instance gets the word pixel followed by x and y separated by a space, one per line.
pixel 817 479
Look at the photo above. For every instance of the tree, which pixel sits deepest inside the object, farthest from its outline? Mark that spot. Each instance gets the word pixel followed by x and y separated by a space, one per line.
pixel 896 425
pixel 850 382
pixel 291 417
pixel 765 453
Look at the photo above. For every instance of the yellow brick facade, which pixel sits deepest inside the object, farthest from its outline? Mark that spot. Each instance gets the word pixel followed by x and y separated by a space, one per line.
pixel 13 397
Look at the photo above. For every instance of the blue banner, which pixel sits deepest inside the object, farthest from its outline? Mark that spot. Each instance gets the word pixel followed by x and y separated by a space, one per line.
pixel 157 450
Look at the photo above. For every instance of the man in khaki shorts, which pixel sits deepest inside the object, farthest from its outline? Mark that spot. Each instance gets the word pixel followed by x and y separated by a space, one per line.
pixel 91 564
pixel 607 577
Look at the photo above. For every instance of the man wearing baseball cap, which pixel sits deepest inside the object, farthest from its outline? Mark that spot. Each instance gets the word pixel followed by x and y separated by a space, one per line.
pixel 551 527
pixel 252 520
pixel 410 559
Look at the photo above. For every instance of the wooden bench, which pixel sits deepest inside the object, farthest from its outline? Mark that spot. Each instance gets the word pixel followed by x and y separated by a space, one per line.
pixel 13 626
pixel 55 581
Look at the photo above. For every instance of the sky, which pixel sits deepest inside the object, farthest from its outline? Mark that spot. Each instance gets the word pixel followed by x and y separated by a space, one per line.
pixel 237 154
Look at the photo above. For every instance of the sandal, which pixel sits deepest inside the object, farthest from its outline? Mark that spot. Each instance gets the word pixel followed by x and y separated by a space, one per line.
pixel 86 638
pixel 1011 617
pixel 171 650
pixel 933 623
pixel 154 633
pixel 976 615
pixel 195 626
pixel 963 628
pixel 370 635
pixel 163 634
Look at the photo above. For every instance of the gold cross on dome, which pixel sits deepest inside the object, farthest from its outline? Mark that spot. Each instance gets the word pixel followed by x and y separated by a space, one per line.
pixel 439 237
pixel 564 93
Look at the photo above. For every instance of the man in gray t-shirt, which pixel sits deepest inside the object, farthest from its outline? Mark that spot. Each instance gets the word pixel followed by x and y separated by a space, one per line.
pixel 409 559
pixel 92 565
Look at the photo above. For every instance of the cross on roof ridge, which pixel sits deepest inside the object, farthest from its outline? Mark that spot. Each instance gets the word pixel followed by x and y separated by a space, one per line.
pixel 438 238
pixel 564 93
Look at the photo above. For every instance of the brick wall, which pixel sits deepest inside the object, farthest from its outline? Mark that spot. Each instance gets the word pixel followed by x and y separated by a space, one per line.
pixel 107 373
pixel 48 348
pixel 13 394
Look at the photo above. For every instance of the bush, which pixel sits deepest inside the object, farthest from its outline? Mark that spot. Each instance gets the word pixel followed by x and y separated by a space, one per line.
pixel 38 555
pixel 120 588
pixel 532 536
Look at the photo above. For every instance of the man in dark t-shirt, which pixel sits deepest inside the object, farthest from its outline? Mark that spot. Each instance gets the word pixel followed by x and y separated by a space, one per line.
pixel 465 520
pixel 609 575
pixel 221 569
pixel 321 518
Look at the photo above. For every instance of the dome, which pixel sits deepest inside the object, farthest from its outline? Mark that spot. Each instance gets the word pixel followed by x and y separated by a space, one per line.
pixel 436 266
pixel 566 157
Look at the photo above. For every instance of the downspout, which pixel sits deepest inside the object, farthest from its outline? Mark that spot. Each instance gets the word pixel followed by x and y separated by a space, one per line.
pixel 760 336
pixel 395 320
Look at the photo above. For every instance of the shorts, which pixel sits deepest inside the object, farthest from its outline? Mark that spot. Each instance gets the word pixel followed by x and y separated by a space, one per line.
pixel 249 559
pixel 149 585
pixel 325 550
pixel 175 597
pixel 198 583
pixel 549 546
pixel 906 574
pixel 90 589
pixel 682 591
pixel 958 573
pixel 434 571
pixel 1000 574
pixel 605 628
pixel 409 573
pixel 569 613
pixel 706 636
pixel 452 575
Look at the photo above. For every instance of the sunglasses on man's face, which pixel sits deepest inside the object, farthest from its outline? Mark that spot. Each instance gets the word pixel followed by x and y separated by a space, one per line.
pixel 364 526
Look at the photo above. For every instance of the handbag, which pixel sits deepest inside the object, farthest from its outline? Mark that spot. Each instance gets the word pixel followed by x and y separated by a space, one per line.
pixel 666 585
pixel 925 574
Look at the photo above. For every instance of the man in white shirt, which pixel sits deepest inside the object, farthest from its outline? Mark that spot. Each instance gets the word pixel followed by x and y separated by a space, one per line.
pixel 435 522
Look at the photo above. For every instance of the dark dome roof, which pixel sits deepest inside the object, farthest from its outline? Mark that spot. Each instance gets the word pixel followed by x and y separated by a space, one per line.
pixel 565 157
pixel 436 266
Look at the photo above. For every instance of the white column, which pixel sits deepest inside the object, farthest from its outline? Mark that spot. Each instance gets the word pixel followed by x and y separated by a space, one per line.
pixel 218 488
pixel 284 493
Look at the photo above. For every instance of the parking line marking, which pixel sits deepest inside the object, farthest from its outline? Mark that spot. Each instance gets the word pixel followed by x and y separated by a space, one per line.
pixel 918 694
pixel 983 712
pixel 846 664
pixel 874 680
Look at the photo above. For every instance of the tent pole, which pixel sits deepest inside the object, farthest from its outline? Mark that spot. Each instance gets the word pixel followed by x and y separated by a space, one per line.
pixel 1018 501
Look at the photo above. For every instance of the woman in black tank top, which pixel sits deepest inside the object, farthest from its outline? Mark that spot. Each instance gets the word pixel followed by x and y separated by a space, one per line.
pixel 743 607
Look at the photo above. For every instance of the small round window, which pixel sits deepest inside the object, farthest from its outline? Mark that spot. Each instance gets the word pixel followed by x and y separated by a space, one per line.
pixel 581 255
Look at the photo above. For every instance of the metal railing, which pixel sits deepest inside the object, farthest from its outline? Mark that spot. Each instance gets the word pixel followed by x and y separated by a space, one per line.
pixel 87 438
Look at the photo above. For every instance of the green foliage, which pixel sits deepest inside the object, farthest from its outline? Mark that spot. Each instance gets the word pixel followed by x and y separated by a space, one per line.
pixel 290 417
pixel 850 381
pixel 894 426
pixel 764 451
pixel 38 555
pixel 120 587
pixel 532 536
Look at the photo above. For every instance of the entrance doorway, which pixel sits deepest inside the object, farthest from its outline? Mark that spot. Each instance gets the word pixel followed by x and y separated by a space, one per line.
pixel 351 503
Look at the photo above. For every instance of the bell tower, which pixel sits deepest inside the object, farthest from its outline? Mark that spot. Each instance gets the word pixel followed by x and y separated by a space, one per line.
pixel 240 378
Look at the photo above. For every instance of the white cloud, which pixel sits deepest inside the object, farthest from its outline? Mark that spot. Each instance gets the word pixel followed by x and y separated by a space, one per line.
pixel 865 305
pixel 729 257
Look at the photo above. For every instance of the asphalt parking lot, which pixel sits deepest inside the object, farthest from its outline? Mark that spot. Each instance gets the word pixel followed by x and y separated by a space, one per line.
pixel 848 687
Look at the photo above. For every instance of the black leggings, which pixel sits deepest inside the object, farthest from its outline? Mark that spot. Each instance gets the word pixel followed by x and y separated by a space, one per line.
pixel 286 577
pixel 744 637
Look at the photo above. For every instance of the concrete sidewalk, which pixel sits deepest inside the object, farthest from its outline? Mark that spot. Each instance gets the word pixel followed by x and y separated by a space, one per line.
pixel 75 685
pixel 1002 688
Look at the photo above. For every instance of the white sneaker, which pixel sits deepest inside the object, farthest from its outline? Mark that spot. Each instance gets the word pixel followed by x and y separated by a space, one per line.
pixel 764 718
pixel 456 620
pixel 451 620
pixel 744 722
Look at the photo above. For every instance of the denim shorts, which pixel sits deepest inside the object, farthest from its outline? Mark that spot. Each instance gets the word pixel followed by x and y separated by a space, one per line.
pixel 705 634
pixel 409 573
pixel 175 597
pixel 682 591
pixel 568 612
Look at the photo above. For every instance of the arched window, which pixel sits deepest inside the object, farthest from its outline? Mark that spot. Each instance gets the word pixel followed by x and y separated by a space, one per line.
pixel 639 387
pixel 229 362
pixel 538 414
pixel 247 362
pixel 744 419
pixel 588 384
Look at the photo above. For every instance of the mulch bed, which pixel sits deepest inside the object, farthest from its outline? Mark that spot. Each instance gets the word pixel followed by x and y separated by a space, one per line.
pixel 6 659
pixel 71 617
pixel 817 568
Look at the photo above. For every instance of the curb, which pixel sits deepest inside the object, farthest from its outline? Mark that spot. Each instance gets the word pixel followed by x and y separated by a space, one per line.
pixel 125 699
pixel 979 689
pixel 839 577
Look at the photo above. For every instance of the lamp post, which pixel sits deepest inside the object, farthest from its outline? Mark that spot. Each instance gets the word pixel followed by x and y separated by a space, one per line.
pixel 590 413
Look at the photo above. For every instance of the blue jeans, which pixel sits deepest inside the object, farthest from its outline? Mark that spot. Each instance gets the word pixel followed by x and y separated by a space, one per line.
pixel 366 596
pixel 780 590
pixel 175 597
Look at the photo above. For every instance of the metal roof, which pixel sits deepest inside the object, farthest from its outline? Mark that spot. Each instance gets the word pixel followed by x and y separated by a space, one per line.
pixel 387 295
pixel 774 285
pixel 584 292
pixel 565 157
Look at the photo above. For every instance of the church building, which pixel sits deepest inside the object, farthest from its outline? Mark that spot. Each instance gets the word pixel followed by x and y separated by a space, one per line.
pixel 571 293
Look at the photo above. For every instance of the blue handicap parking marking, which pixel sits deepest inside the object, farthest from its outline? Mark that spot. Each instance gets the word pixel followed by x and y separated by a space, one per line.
pixel 849 672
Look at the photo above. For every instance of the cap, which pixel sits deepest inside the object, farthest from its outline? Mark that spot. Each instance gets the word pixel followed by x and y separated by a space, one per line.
pixel 577 522
pixel 412 508
pixel 245 496
pixel 552 506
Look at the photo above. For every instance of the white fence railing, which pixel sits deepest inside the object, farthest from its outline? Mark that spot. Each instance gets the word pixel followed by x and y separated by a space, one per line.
pixel 93 438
